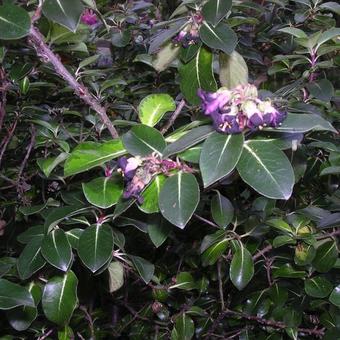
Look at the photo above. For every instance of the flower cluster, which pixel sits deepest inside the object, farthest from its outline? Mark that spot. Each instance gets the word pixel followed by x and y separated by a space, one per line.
pixel 233 111
pixel 89 17
pixel 190 34
pixel 138 172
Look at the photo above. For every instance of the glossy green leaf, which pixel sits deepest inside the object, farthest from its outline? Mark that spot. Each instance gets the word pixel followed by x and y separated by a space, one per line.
pixel 103 192
pixel 49 164
pixel 57 250
pixel 144 268
pixel 89 155
pixel 288 271
pixel 331 6
pixel 221 37
pixel 335 296
pixel 241 267
pixel 190 139
pixel 12 295
pixel 31 233
pixel 185 281
pixel 143 140
pixel 184 328
pixel 214 252
pixel 197 74
pixel 222 210
pixel 224 151
pixel 233 70
pixel 64 12
pixel 95 246
pixel 30 259
pixel 179 198
pixel 21 318
pixel 326 256
pixel 318 287
pixel 73 237
pixel 151 194
pixel 215 10
pixel 266 169
pixel 116 276
pixel 296 32
pixel 60 298
pixel 304 254
pixel 159 232
pixel 153 107
pixel 15 22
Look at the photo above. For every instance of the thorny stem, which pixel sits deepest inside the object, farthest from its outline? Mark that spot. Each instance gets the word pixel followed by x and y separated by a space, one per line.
pixel 36 39
pixel 173 117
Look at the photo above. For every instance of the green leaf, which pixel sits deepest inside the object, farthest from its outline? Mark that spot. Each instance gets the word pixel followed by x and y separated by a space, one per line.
pixel 56 215
pixel 221 37
pixel 21 318
pixel 179 198
pixel 335 296
pixel 322 90
pixel 224 151
pixel 318 287
pixel 73 237
pixel 158 232
pixel 185 281
pixel 30 259
pixel 296 32
pixel 116 276
pixel 64 12
pixel 47 165
pixel 215 10
pixel 60 298
pixel 331 6
pixel 31 233
pixel 165 57
pixel 328 35
pixel 241 267
pixel 15 22
pixel 57 250
pixel 12 295
pixel 153 107
pixel 143 140
pixel 304 254
pixel 191 155
pixel 331 170
pixel 233 70
pixel 151 195
pixel 304 122
pixel 103 192
pixel 191 138
pixel 144 268
pixel 119 37
pixel 197 74
pixel 222 210
pixel 214 252
pixel 95 246
pixel 326 256
pixel 184 328
pixel 288 271
pixel 89 155
pixel 187 53
pixel 266 169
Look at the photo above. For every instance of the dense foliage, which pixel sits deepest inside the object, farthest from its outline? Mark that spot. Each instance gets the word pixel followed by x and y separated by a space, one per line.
pixel 169 169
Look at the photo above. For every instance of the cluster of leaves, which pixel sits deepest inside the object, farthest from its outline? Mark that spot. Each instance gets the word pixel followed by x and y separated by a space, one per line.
pixel 240 240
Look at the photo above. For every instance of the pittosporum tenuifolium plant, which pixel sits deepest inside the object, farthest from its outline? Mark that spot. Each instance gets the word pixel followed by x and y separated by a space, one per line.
pixel 169 169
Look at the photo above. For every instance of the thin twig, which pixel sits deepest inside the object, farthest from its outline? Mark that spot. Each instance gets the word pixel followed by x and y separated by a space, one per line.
pixel 332 234
pixel 220 283
pixel 46 335
pixel 173 117
pixel 29 150
pixel 262 252
pixel 7 139
pixel 36 39
pixel 89 319
pixel 202 219
pixel 4 84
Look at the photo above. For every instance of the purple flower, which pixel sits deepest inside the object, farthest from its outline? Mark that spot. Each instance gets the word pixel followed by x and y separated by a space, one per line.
pixel 213 101
pixel 128 166
pixel 89 17
pixel 271 116
pixel 253 114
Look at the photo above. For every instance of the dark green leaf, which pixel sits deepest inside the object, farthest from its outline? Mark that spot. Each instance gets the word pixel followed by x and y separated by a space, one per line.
pixel 103 192
pixel 197 74
pixel 119 37
pixel 57 250
pixel 335 296
pixel 190 139
pixel 159 232
pixel 89 155
pixel 214 252
pixel 224 152
pixel 144 268
pixel 241 267
pixel 143 140
pixel 12 295
pixel 150 195
pixel 221 37
pixel 95 246
pixel 185 281
pixel 326 256
pixel 60 298
pixel 267 169
pixel 30 259
pixel 64 12
pixel 288 271
pixel 31 233
pixel 215 10
pixel 222 210
pixel 322 90
pixel 179 198
pixel 15 22
pixel 47 165
pixel 184 328
pixel 318 287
